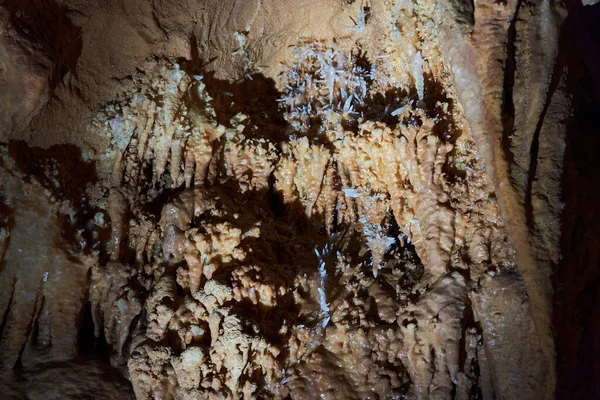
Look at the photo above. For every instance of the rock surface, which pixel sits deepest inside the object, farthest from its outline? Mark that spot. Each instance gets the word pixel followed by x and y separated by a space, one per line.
pixel 313 200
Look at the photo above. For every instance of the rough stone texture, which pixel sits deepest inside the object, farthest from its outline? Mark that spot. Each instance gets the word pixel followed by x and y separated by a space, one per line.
pixel 510 60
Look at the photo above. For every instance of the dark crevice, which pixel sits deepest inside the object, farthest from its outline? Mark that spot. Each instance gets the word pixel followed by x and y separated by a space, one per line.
pixel 18 367
pixel 534 150
pixel 7 311
pixel 88 343
pixel 467 322
pixel 469 326
pixel 508 106
pixel 35 333
pixel 276 204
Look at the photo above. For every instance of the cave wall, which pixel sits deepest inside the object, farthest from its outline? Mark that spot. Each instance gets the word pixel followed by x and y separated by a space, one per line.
pixel 523 72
